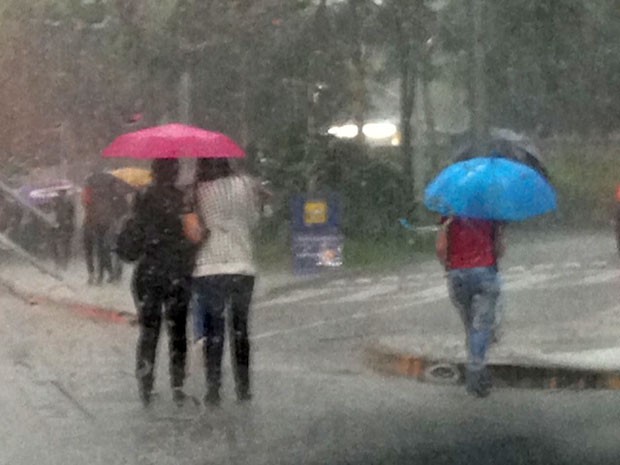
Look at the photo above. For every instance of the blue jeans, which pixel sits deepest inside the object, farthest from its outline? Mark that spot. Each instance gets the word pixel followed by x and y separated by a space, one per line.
pixel 475 293
pixel 199 315
pixel 212 296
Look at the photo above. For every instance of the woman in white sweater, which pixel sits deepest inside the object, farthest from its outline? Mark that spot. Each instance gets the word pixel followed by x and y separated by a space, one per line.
pixel 228 206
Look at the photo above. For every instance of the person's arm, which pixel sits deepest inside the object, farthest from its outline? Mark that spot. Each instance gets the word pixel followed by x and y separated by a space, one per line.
pixel 255 195
pixel 441 242
pixel 87 196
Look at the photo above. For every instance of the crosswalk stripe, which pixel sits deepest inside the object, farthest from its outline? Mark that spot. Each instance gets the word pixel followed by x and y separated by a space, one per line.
pixel 432 286
pixel 367 293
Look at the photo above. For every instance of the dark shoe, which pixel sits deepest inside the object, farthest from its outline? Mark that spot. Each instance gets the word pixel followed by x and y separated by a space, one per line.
pixel 145 396
pixel 479 383
pixel 178 396
pixel 213 398
pixel 144 376
pixel 244 396
pixel 243 393
pixel 481 392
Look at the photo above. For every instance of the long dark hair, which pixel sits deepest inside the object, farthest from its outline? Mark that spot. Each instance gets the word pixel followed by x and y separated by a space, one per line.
pixel 210 169
pixel 165 171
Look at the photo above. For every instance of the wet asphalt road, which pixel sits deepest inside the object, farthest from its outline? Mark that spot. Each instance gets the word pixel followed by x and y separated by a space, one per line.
pixel 69 397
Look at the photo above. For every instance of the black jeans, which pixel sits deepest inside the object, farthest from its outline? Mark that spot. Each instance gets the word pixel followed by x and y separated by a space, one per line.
pixel 213 294
pixel 157 296
pixel 96 240
pixel 61 247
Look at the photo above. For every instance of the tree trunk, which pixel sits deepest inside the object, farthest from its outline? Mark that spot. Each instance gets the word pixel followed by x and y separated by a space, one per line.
pixel 407 101
pixel 185 90
pixel 429 115
pixel 479 109
pixel 359 68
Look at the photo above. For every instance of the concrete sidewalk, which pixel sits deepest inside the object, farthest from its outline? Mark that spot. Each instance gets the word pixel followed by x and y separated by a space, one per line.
pixel 582 353
pixel 108 301
pixel 561 327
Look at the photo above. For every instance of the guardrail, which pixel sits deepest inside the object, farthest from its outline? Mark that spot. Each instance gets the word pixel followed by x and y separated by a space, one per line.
pixel 40 214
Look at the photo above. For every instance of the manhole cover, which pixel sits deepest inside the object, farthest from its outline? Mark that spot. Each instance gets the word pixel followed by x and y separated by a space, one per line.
pixel 443 374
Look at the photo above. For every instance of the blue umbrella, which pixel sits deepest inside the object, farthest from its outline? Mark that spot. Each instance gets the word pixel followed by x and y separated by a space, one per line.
pixel 490 188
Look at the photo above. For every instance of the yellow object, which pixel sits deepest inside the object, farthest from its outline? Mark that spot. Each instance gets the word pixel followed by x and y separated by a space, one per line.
pixel 136 177
pixel 315 212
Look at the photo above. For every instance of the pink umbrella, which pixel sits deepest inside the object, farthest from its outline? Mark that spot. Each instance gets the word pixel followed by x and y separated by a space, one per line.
pixel 173 141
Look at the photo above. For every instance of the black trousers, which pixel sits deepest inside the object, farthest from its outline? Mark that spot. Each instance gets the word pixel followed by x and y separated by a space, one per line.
pixel 95 240
pixel 158 298
pixel 61 247
pixel 213 294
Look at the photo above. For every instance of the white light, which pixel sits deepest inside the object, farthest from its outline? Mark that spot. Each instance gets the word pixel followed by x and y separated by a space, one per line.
pixel 348 131
pixel 377 131
pixel 383 130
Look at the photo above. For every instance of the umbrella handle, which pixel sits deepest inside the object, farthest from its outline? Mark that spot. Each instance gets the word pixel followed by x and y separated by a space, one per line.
pixel 405 224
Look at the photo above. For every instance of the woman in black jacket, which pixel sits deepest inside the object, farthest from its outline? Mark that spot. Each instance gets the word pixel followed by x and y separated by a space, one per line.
pixel 162 277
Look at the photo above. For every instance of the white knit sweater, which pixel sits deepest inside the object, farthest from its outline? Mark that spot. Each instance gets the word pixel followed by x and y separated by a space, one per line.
pixel 229 208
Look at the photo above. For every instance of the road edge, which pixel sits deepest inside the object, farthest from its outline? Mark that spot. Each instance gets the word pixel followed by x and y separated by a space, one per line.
pixel 421 367
pixel 84 309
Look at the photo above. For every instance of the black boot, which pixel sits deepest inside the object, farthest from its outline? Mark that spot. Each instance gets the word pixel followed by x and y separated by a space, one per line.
pixel 145 386
pixel 178 396
pixel 478 382
pixel 243 383
pixel 212 397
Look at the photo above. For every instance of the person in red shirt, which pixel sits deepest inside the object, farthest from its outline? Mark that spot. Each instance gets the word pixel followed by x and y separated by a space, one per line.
pixel 98 218
pixel 470 249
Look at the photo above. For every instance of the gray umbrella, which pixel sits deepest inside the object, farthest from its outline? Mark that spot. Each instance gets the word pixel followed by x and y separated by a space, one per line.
pixel 505 143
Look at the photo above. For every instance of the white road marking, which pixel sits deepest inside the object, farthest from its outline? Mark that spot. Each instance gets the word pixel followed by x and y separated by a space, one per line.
pixel 294 329
pixel 543 266
pixel 600 264
pixel 572 265
pixel 529 281
pixel 602 277
pixel 296 296
pixel 515 278
pixel 516 269
pixel 366 294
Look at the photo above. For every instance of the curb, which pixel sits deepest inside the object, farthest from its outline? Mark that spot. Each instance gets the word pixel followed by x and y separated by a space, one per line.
pixel 111 315
pixel 519 375
pixel 82 309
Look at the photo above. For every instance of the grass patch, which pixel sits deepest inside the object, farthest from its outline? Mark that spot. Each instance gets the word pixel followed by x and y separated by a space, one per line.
pixel 359 253
pixel 387 253
pixel 585 176
pixel 272 255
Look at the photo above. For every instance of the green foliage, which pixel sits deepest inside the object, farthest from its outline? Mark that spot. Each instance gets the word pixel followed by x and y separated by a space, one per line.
pixel 371 188
pixel 550 65
pixel 586 175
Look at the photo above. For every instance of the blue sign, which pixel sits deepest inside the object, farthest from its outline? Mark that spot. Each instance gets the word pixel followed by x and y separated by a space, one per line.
pixel 317 241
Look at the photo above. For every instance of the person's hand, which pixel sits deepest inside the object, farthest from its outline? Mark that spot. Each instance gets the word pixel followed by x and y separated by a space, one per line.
pixel 264 193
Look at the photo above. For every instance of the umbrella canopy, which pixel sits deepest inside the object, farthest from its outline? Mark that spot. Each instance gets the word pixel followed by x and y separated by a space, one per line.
pixel 173 141
pixel 40 195
pixel 508 144
pixel 135 177
pixel 107 184
pixel 490 188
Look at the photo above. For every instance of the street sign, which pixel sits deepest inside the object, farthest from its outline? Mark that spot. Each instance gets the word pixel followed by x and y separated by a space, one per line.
pixel 317 240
